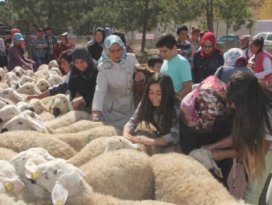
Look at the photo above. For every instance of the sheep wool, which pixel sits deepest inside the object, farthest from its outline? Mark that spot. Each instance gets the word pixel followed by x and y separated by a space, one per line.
pixel 125 174
pixel 6 154
pixel 180 179
pixel 7 200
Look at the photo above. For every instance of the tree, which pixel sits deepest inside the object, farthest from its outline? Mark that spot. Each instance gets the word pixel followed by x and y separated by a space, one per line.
pixel 265 11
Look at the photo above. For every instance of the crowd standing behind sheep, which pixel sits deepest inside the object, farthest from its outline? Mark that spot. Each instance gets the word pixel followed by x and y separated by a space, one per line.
pixel 97 165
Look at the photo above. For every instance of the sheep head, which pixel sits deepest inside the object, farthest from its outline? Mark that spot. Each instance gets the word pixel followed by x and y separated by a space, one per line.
pixel 60 105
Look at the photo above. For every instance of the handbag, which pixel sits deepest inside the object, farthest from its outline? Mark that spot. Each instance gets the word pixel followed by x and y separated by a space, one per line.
pixel 236 181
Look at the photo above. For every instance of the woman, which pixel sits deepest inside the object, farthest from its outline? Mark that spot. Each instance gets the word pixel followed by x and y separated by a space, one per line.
pixel 251 133
pixel 261 62
pixel 235 60
pixel 113 99
pixel 16 54
pixel 207 59
pixel 80 80
pixel 95 46
pixel 157 109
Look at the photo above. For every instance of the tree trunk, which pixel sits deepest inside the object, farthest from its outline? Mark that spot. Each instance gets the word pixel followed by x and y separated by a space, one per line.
pixel 145 20
pixel 209 15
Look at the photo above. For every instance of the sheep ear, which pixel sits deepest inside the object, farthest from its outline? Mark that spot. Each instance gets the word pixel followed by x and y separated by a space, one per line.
pixel 15 184
pixel 70 107
pixel 59 194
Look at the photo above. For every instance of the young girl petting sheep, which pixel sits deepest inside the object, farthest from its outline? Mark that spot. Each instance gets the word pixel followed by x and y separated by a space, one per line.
pixel 155 122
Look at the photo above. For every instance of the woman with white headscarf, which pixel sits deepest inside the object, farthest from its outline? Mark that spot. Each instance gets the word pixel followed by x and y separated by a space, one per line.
pixel 113 100
pixel 234 60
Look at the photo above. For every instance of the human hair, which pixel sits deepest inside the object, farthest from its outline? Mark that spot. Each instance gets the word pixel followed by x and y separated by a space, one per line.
pixel 182 28
pixel 121 35
pixel 252 103
pixel 152 60
pixel 66 55
pixel 259 42
pixel 167 104
pixel 167 41
pixel 195 30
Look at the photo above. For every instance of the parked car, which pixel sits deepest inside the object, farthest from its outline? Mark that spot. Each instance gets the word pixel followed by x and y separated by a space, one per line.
pixel 228 41
pixel 267 36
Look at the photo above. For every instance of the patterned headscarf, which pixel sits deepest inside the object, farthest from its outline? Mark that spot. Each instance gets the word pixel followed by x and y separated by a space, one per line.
pixel 109 41
pixel 232 55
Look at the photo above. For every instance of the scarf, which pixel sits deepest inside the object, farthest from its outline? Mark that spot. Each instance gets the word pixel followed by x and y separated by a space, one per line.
pixel 208 36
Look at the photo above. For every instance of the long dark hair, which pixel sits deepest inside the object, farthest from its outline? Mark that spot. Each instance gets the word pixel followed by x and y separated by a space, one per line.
pixel 259 42
pixel 252 104
pixel 167 105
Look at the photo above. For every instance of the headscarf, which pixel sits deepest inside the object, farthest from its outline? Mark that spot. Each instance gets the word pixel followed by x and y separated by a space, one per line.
pixel 81 53
pixel 109 41
pixel 233 57
pixel 208 36
pixel 102 31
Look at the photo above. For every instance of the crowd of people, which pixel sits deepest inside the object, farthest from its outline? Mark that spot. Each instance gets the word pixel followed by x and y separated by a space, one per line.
pixel 190 96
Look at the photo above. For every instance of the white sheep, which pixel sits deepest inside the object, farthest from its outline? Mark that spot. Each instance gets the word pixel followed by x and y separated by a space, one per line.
pixel 2 74
pixel 9 180
pixel 26 79
pixel 25 121
pixel 23 140
pixel 54 79
pixel 6 154
pixel 8 112
pixel 3 85
pixel 31 74
pixel 11 94
pixel 5 101
pixel 7 200
pixel 81 139
pixel 68 118
pixel 60 104
pixel 43 85
pixel 37 106
pixel 24 163
pixel 29 88
pixel 99 146
pixel 10 76
pixel 67 186
pixel 180 179
pixel 22 105
pixel 19 71
pixel 14 84
pixel 78 126
pixel 53 63
pixel 124 173
pixel 55 71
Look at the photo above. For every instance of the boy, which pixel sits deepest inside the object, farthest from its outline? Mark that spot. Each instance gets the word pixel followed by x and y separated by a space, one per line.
pixel 183 45
pixel 174 65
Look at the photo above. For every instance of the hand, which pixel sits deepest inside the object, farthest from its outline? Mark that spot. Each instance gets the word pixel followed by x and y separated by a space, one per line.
pixel 143 140
pixel 218 155
pixel 76 104
pixel 139 76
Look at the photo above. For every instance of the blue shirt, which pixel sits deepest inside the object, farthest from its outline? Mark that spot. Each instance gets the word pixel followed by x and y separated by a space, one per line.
pixel 178 68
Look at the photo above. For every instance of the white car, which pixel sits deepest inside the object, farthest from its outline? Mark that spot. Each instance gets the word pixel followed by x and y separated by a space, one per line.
pixel 267 36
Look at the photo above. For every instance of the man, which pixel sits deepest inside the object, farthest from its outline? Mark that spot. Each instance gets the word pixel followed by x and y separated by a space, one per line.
pixel 51 42
pixel 175 65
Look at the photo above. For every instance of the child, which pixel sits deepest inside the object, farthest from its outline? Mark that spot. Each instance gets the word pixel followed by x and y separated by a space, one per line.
pixel 157 114
pixel 154 63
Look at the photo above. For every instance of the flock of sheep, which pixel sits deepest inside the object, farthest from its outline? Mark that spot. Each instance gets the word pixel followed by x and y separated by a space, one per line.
pixel 51 154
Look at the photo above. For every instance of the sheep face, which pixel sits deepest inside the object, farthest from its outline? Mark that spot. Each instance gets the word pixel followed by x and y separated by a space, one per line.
pixel 11 94
pixel 19 71
pixel 10 76
pixel 115 143
pixel 8 112
pixel 29 89
pixel 26 79
pixel 53 63
pixel 60 179
pixel 43 85
pixel 60 105
pixel 37 106
pixel 23 123
pixel 9 180
pixel 55 80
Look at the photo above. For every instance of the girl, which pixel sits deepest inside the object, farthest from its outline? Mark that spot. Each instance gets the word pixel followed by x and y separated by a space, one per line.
pixel 157 110
pixel 251 132
pixel 261 62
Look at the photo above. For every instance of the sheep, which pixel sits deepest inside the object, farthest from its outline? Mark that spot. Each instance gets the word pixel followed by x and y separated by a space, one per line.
pixel 99 146
pixel 180 179
pixel 37 106
pixel 6 154
pixel 30 73
pixel 11 94
pixel 26 79
pixel 29 88
pixel 10 76
pixel 54 80
pixel 55 71
pixel 7 200
pixel 53 63
pixel 5 101
pixel 3 85
pixel 9 180
pixel 14 84
pixel 2 74
pixel 81 139
pixel 24 122
pixel 68 118
pixel 24 163
pixel 67 186
pixel 43 85
pixel 125 173
pixel 22 105
pixel 78 126
pixel 46 116
pixel 23 140
pixel 60 104
pixel 8 112
pixel 19 71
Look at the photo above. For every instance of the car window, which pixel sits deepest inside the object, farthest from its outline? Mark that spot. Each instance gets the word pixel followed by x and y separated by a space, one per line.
pixel 269 37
